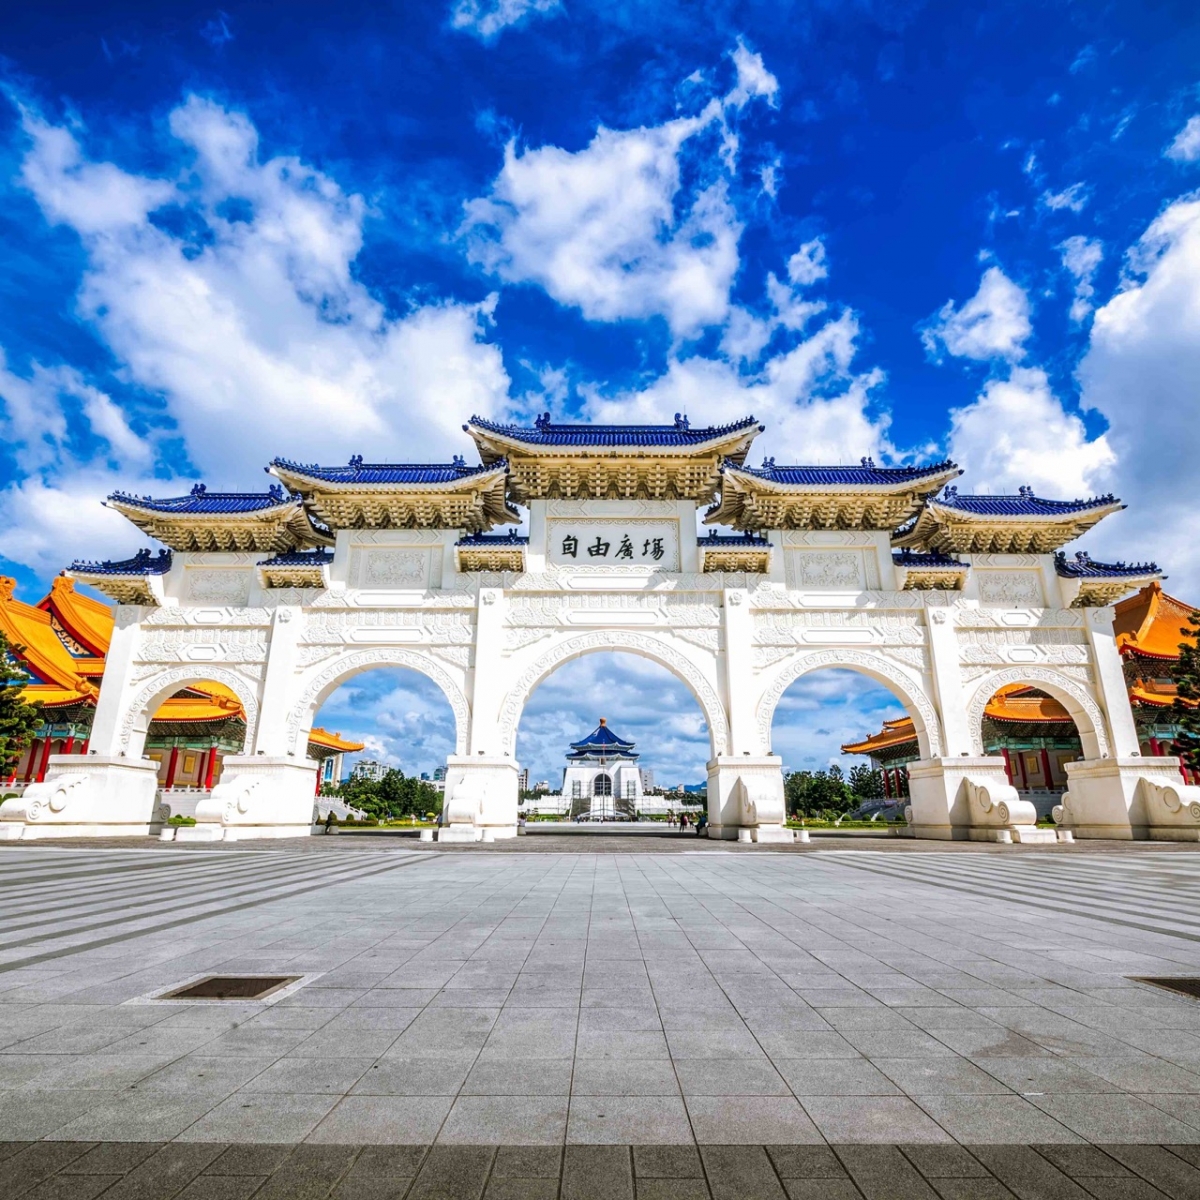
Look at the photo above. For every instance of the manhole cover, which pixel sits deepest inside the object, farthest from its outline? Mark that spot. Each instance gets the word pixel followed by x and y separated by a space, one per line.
pixel 1181 985
pixel 231 987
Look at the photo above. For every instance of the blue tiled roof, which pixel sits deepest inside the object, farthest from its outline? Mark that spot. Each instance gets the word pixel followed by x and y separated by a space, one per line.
pixel 300 558
pixel 733 539
pixel 142 563
pixel 493 539
pixel 546 433
pixel 357 471
pixel 1023 504
pixel 602 741
pixel 918 559
pixel 201 500
pixel 865 474
pixel 1082 567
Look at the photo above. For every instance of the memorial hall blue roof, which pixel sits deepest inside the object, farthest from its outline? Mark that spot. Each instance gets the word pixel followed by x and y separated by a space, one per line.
pixel 357 471
pixel 319 557
pixel 545 432
pixel 200 500
pixel 1083 567
pixel 924 558
pixel 602 741
pixel 864 475
pixel 142 563
pixel 1023 504
pixel 493 539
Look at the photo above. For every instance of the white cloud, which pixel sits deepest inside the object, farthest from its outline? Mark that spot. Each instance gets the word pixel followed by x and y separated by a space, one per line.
pixel 994 323
pixel 255 333
pixel 1186 145
pixel 817 408
pixel 1082 256
pixel 599 229
pixel 808 265
pixel 1140 374
pixel 1074 198
pixel 610 229
pixel 753 79
pixel 488 18
pixel 1018 433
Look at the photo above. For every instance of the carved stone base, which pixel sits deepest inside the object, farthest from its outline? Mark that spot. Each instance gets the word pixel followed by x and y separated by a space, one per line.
pixel 1130 798
pixel 258 797
pixel 746 792
pixel 481 794
pixel 954 799
pixel 85 795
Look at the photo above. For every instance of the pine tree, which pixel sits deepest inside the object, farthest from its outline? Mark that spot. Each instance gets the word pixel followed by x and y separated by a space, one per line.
pixel 18 721
pixel 1187 716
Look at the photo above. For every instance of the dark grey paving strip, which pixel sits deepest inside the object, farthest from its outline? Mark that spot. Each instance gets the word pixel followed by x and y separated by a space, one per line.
pixel 116 939
pixel 217 1171
pixel 174 883
pixel 1057 907
pixel 195 897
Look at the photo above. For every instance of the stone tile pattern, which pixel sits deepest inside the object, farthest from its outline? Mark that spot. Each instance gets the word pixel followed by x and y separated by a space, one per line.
pixel 678 1000
pixel 213 1170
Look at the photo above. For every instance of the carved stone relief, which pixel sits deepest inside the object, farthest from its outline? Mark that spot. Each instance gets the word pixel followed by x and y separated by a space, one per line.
pixel 222 585
pixel 1010 587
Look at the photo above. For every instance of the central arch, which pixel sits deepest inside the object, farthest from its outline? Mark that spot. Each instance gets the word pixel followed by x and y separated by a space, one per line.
pixel 642 644
pixel 322 685
pixel 916 703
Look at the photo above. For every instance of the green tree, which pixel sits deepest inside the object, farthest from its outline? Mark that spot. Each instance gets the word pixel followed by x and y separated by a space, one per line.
pixel 19 721
pixel 393 796
pixel 818 793
pixel 866 782
pixel 1187 715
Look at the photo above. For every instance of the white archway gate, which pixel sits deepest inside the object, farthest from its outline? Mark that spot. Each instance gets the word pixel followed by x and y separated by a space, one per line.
pixel 940 599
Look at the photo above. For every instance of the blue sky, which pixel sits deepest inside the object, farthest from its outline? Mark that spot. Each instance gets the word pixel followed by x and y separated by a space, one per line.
pixel 901 229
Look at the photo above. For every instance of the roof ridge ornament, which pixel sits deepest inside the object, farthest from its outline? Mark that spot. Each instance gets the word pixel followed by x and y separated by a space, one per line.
pixel 867 462
pixel 543 422
pixel 198 489
pixel 356 461
pixel 681 421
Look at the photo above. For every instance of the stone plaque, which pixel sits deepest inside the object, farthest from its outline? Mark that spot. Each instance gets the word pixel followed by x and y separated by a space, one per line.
pixel 628 543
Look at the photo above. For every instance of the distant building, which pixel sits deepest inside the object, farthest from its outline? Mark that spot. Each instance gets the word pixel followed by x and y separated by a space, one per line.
pixel 647 774
pixel 368 768
pixel 601 778
pixel 523 781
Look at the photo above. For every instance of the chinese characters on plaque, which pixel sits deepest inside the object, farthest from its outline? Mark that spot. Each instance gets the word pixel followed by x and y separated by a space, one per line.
pixel 614 543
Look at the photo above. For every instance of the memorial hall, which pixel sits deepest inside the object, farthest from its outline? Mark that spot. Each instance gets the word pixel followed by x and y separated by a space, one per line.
pixel 1016 662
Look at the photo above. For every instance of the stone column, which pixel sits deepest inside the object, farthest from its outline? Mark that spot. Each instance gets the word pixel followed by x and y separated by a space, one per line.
pixel 117 687
pixel 482 785
pixel 1110 681
pixel 745 786
pixel 279 685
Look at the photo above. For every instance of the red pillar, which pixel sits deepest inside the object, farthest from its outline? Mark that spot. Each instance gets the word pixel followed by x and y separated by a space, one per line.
pixel 172 764
pixel 1046 768
pixel 210 769
pixel 887 786
pixel 69 745
pixel 35 747
pixel 320 767
pixel 1155 749
pixel 1024 776
pixel 41 775
pixel 86 743
pixel 1008 770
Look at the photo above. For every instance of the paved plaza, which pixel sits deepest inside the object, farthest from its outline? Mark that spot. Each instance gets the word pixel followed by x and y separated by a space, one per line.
pixel 671 1022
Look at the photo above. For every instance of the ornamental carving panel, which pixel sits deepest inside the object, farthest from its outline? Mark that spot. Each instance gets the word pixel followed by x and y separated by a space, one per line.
pixel 203 645
pixel 1010 587
pixel 221 585
pixel 813 570
pixel 390 568
pixel 353 624
pixel 826 537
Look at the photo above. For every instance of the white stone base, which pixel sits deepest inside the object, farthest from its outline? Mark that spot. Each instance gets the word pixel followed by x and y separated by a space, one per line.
pixel 954 799
pixel 746 792
pixel 258 797
pixel 1130 798
pixel 85 795
pixel 481 794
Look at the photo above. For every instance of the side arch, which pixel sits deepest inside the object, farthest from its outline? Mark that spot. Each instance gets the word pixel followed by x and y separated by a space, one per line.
pixel 1085 712
pixel 642 644
pixel 136 721
pixel 908 691
pixel 317 690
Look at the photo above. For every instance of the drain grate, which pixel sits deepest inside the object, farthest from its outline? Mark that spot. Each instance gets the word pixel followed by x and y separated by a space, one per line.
pixel 231 987
pixel 1181 985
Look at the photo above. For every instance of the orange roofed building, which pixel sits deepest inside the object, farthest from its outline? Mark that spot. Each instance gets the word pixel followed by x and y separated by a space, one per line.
pixel 61 644
pixel 1034 733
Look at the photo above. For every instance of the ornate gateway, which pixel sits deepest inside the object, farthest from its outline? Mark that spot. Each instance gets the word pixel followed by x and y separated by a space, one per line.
pixel 939 596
